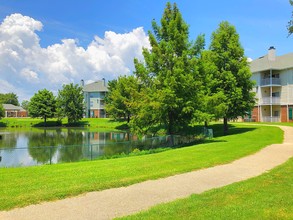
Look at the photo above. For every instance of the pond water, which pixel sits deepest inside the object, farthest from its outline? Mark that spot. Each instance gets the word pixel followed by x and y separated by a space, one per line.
pixel 34 146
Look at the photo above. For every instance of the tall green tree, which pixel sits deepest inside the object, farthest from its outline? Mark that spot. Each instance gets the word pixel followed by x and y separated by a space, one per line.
pixel 2 112
pixel 70 102
pixel 290 23
pixel 231 73
pixel 43 104
pixel 121 96
pixel 9 98
pixel 169 76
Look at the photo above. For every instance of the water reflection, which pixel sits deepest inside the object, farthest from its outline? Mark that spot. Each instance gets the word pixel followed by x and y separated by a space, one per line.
pixel 46 146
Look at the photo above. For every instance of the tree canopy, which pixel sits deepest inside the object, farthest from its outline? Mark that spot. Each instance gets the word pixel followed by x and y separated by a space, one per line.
pixel 290 23
pixel 70 102
pixel 230 73
pixel 9 98
pixel 170 91
pixel 42 104
pixel 2 112
pixel 121 97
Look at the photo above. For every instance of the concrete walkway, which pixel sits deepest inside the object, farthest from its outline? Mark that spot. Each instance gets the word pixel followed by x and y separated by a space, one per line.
pixel 117 202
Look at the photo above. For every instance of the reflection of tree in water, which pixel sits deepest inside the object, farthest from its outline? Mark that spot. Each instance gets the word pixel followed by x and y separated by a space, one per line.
pixel 72 149
pixel 8 140
pixel 42 145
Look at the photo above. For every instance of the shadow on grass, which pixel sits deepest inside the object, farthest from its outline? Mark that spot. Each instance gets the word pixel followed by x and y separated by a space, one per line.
pixel 232 130
pixel 48 124
pixel 78 124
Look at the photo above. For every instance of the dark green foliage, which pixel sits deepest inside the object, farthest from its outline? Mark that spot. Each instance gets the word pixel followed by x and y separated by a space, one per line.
pixel 42 104
pixel 120 97
pixel 170 92
pixel 70 103
pixel 25 104
pixel 231 77
pixel 2 112
pixel 9 98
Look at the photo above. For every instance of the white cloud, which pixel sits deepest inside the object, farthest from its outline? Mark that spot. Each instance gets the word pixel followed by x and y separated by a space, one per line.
pixel 249 59
pixel 26 67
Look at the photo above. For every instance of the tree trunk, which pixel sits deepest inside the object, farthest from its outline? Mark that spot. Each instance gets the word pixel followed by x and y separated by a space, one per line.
pixel 225 125
pixel 45 121
pixel 206 124
pixel 128 118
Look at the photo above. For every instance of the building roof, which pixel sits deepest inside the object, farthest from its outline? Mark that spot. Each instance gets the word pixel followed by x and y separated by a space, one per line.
pixel 12 107
pixel 99 86
pixel 280 63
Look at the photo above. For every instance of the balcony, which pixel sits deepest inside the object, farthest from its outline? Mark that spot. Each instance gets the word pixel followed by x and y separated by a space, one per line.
pixel 270 81
pixel 270 101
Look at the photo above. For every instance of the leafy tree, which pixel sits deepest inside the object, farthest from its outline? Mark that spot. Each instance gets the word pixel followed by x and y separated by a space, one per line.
pixel 9 98
pixel 231 73
pixel 42 104
pixel 170 92
pixel 25 104
pixel 2 112
pixel 70 102
pixel 121 96
pixel 290 23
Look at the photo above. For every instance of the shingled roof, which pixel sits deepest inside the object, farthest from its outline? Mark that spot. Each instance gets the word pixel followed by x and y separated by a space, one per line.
pixel 280 63
pixel 12 107
pixel 99 86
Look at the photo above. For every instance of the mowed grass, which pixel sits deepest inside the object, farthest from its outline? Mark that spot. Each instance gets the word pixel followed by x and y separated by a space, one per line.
pixel 85 122
pixel 268 196
pixel 30 185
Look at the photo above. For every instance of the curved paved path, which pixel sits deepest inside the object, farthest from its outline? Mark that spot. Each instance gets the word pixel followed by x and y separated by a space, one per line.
pixel 116 202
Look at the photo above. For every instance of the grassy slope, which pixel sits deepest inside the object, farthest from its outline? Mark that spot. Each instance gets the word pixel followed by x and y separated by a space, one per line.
pixel 266 197
pixel 30 185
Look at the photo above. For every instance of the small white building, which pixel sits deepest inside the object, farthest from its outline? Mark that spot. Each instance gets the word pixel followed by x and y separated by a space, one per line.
pixel 12 111
pixel 94 94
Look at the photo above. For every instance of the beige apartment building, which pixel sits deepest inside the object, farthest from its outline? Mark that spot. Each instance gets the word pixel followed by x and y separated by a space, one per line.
pixel 274 87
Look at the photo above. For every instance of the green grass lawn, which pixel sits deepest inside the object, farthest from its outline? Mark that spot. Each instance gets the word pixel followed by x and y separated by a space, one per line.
pixel 104 123
pixel 30 185
pixel 268 196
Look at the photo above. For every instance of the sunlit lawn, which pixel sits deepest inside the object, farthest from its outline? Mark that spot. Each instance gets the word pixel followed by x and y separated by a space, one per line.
pixel 266 197
pixel 30 185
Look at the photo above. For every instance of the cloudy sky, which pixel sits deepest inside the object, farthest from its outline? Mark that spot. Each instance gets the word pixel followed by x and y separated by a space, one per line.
pixel 47 43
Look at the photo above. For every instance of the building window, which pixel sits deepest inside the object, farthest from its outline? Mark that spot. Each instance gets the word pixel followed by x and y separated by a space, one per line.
pixel 276 114
pixel 290 114
pixel 91 103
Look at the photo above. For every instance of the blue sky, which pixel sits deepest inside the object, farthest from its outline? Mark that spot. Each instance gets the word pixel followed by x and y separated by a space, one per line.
pixel 106 28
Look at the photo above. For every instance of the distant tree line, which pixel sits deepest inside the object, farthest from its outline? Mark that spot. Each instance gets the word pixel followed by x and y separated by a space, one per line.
pixel 179 83
pixel 69 103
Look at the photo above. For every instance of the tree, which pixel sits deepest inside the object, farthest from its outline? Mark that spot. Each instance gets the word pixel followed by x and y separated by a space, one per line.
pixel 70 102
pixel 231 73
pixel 170 83
pixel 42 104
pixel 120 97
pixel 290 23
pixel 2 112
pixel 25 104
pixel 9 98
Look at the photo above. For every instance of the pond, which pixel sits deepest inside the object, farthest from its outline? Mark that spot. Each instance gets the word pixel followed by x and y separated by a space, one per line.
pixel 34 146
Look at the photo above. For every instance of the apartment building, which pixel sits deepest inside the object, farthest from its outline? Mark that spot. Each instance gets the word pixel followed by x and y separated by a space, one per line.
pixel 274 87
pixel 94 94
